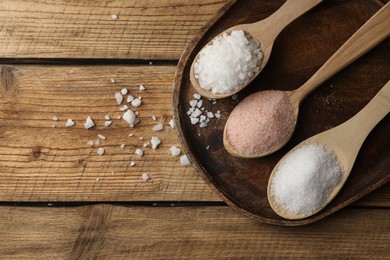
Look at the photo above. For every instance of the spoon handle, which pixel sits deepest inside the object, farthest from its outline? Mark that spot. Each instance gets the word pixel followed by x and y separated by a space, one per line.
pixel 375 30
pixel 287 13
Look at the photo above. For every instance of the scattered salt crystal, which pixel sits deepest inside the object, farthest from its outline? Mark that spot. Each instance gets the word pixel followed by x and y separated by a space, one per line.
pixel 130 98
pixel 214 102
pixel 100 151
pixel 145 145
pixel 145 177
pixel 136 113
pixel 305 178
pixel 158 127
pixel 118 117
pixel 194 120
pixel 184 160
pixel 122 146
pixel 90 143
pixel 196 113
pixel 102 137
pixel 132 163
pixel 139 152
pixel 89 123
pixel 97 142
pixel 155 141
pixel 193 102
pixel 118 98
pixel 130 118
pixel 136 102
pixel 114 17
pixel 141 87
pixel 172 123
pixel 113 81
pixel 124 108
pixel 69 123
pixel 55 118
pixel 228 62
pixel 203 124
pixel 97 179
pixel 175 151
pixel 154 117
pixel 107 123
pixel 197 96
pixel 217 115
pixel 202 118
pixel 107 117
pixel 130 135
pixel 124 91
pixel 199 104
pixel 210 114
pixel 207 147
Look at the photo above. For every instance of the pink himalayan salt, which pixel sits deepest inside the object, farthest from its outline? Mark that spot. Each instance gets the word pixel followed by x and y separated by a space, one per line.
pixel 260 123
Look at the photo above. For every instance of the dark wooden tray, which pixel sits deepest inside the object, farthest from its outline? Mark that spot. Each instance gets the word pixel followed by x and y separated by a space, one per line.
pixel 298 52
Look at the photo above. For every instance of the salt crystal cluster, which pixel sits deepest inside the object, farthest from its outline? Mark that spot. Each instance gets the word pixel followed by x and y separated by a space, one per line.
pixel 229 62
pixel 198 114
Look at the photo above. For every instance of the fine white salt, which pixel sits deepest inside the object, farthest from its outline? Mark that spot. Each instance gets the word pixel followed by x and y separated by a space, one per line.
pixel 69 123
pixel 184 160
pixel 229 62
pixel 89 123
pixel 305 178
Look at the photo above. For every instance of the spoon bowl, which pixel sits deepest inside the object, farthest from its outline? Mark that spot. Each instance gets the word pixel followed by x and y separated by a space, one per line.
pixel 264 32
pixel 345 142
pixel 369 35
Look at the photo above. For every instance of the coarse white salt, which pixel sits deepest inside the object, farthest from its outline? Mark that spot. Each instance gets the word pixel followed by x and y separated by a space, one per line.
pixel 136 102
pixel 154 117
pixel 203 124
pixel 114 17
pixel 124 108
pixel 130 118
pixel 55 118
pixel 122 146
pixel 107 123
pixel 69 122
pixel 130 98
pixel 158 127
pixel 172 123
pixel 107 117
pixel 304 179
pixel 193 102
pixel 197 96
pixel 124 91
pixel 145 177
pixel 210 114
pixel 174 150
pixel 132 163
pixel 199 104
pixel 130 135
pixel 90 142
pixel 102 137
pixel 113 81
pixel 196 113
pixel 194 120
pixel 217 115
pixel 139 152
pixel 229 62
pixel 89 123
pixel 155 141
pixel 100 151
pixel 184 160
pixel 97 142
pixel 141 87
pixel 118 98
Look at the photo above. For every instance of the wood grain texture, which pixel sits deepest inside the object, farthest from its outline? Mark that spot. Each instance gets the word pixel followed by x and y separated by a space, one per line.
pixel 116 232
pixel 157 29
pixel 42 163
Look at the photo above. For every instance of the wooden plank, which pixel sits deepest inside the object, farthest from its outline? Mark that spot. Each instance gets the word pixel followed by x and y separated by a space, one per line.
pixel 158 29
pixel 105 231
pixel 41 163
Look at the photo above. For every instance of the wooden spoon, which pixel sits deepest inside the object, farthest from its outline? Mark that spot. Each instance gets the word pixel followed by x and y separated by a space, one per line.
pixel 265 32
pixel 369 35
pixel 345 141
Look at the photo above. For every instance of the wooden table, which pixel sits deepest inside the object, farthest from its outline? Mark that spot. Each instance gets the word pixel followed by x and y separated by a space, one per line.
pixel 60 199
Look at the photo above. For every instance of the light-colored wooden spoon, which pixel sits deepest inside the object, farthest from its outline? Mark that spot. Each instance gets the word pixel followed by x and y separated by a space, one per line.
pixel 265 32
pixel 369 35
pixel 345 141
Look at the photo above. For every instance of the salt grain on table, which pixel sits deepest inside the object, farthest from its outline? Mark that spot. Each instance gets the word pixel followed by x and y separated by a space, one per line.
pixel 69 123
pixel 55 118
pixel 89 123
pixel 175 151
pixel 184 160
pixel 145 177
pixel 100 151
pixel 124 91
pixel 155 141
pixel 139 152
pixel 118 98
pixel 141 87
